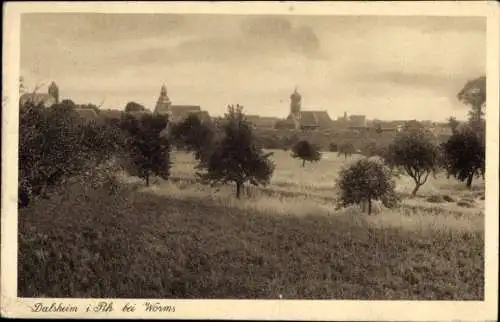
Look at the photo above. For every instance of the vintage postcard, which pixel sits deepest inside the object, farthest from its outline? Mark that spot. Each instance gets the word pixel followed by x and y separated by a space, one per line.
pixel 250 160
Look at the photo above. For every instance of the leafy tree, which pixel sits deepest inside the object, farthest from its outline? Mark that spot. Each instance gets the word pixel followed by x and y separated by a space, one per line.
pixel 55 146
pixel 414 152
pixel 236 156
pixel 67 104
pixel 378 129
pixel 195 136
pixel 306 152
pixel 148 151
pixel 134 107
pixel 474 94
pixel 364 181
pixel 464 152
pixel 464 155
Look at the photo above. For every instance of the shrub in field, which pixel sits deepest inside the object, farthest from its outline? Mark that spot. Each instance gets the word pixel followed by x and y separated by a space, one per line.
pixel 435 199
pixel 414 152
pixel 466 203
pixel 448 198
pixel 364 181
pixel 147 150
pixel 306 151
pixel 56 144
pixel 236 157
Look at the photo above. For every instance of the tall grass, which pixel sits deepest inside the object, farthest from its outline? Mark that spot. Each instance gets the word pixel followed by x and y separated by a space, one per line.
pixel 180 239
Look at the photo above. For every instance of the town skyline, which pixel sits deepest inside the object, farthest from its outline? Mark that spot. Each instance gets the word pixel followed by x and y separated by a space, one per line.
pixel 389 69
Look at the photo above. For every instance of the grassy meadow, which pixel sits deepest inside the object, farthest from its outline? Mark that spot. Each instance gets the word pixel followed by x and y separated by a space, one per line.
pixel 180 239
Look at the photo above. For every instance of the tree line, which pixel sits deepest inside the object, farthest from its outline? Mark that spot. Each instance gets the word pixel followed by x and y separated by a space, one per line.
pixel 57 146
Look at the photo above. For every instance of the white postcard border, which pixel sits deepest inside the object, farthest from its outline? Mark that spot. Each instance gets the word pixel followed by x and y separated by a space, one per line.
pixel 252 309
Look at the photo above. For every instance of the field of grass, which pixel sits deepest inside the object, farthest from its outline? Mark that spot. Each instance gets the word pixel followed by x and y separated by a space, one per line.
pixel 179 239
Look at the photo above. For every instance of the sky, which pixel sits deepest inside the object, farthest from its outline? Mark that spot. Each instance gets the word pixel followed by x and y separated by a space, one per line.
pixel 383 67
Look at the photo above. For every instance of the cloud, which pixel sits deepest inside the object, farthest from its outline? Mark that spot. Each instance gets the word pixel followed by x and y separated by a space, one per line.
pixel 386 66
pixel 437 82
pixel 278 31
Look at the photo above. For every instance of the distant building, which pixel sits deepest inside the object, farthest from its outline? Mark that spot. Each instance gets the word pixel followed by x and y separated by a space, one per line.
pixel 177 113
pixel 304 120
pixel 46 99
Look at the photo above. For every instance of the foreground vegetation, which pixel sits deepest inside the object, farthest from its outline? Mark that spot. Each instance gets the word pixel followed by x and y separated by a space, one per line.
pixel 165 241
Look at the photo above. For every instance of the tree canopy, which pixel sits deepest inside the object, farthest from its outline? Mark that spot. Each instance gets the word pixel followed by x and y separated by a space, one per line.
pixel 149 152
pixel 236 157
pixel 306 151
pixel 415 152
pixel 364 181
pixel 134 107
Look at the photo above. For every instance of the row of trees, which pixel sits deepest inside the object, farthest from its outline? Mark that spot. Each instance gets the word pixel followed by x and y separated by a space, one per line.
pixel 55 145
pixel 416 152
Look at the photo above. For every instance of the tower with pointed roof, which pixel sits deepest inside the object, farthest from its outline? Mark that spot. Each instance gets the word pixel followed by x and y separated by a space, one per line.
pixel 163 104
pixel 54 92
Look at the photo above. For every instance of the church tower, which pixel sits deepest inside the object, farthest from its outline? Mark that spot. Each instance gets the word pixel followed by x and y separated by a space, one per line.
pixel 54 92
pixel 295 104
pixel 163 104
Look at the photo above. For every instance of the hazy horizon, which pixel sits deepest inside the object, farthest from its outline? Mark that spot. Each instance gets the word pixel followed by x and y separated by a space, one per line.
pixel 383 67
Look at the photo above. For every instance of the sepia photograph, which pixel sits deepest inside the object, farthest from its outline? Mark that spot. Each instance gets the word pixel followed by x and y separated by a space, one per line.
pixel 174 154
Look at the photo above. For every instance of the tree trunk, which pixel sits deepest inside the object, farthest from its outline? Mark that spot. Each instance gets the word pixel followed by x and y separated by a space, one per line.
pixel 147 180
pixel 414 192
pixel 369 206
pixel 238 190
pixel 303 163
pixel 469 180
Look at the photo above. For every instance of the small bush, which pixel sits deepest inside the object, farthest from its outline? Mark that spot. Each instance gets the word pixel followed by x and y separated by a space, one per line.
pixel 435 199
pixel 466 203
pixel 364 181
pixel 448 198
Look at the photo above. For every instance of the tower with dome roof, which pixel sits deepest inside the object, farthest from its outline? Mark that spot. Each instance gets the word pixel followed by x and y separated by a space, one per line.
pixel 295 104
